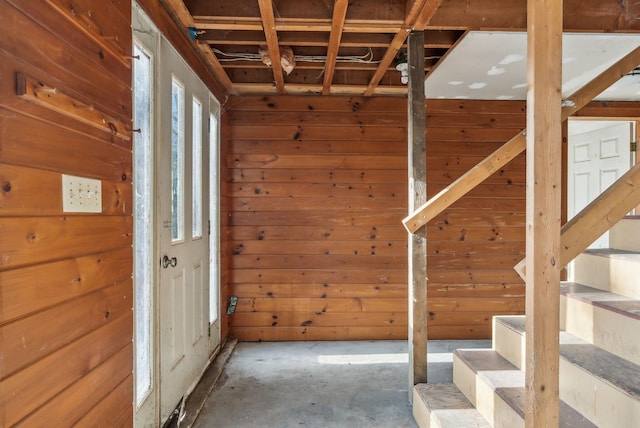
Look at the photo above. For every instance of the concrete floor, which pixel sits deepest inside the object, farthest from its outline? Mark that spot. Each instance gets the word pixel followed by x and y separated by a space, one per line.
pixel 321 384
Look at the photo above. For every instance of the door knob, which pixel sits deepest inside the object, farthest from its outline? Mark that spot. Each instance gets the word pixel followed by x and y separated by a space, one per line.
pixel 166 261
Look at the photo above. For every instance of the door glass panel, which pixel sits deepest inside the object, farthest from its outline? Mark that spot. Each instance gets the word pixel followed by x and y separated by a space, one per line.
pixel 196 224
pixel 214 273
pixel 142 75
pixel 177 161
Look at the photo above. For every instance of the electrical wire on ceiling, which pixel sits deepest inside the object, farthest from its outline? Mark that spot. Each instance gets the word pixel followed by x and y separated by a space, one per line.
pixel 235 56
pixel 366 58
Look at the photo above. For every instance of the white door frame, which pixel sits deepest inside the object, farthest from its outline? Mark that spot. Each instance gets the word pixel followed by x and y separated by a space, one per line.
pixel 148 37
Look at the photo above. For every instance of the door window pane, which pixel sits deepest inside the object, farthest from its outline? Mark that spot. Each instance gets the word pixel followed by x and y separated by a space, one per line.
pixel 177 161
pixel 142 75
pixel 196 224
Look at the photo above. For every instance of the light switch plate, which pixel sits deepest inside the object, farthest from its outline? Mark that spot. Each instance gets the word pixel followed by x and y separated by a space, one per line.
pixel 81 195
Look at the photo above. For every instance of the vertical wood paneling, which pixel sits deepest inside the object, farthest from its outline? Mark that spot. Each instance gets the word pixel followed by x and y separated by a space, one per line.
pixel 317 190
pixel 65 280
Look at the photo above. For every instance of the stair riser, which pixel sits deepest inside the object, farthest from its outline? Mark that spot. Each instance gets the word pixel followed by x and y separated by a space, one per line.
pixel 421 413
pixel 584 391
pixel 509 344
pixel 598 401
pixel 625 235
pixel 491 406
pixel 506 417
pixel 485 401
pixel 619 276
pixel 488 403
pixel 465 379
pixel 444 406
pixel 452 418
pixel 609 330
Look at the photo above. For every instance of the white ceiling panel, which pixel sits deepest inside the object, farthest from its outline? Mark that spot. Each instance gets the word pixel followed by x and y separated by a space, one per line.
pixel 492 65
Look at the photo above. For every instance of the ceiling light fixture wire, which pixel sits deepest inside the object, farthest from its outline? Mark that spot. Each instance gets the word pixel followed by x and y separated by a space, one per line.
pixel 366 58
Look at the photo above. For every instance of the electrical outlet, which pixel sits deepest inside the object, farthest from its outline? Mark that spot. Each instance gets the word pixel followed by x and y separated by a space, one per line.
pixel 81 195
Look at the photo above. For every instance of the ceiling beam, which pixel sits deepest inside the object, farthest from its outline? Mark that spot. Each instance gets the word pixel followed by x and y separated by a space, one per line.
pixel 337 23
pixel 306 88
pixel 168 17
pixel 294 24
pixel 216 67
pixel 269 26
pixel 418 17
pixel 578 15
pixel 442 39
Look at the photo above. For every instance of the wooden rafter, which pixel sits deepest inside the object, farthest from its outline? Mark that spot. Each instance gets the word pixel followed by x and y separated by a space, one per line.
pixel 433 39
pixel 294 24
pixel 269 26
pixel 181 15
pixel 309 88
pixel 179 10
pixel 418 17
pixel 515 146
pixel 337 23
pixel 218 71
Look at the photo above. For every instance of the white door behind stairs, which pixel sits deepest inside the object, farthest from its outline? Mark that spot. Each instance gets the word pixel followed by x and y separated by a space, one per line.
pixel 599 153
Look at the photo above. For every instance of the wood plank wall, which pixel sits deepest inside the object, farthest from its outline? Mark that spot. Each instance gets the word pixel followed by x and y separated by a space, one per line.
pixel 317 191
pixel 473 246
pixel 65 279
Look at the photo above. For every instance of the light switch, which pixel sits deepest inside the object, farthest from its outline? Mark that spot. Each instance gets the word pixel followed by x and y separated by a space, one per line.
pixel 81 195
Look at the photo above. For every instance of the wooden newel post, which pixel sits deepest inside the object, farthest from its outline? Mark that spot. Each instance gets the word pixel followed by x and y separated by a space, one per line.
pixel 417 197
pixel 544 184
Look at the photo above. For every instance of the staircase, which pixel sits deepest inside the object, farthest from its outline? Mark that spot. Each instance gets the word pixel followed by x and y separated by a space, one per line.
pixel 599 353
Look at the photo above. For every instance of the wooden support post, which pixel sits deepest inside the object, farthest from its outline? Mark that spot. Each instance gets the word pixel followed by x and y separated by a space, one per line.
pixel 565 186
pixel 544 169
pixel 635 155
pixel 417 196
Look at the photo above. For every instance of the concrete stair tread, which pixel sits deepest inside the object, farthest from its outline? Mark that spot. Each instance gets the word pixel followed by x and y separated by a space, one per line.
pixel 484 359
pixel 611 368
pixel 508 383
pixel 622 305
pixel 617 271
pixel 569 417
pixel 445 406
pixel 615 253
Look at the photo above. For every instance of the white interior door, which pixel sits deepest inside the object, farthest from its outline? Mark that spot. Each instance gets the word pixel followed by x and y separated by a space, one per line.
pixel 183 214
pixel 599 153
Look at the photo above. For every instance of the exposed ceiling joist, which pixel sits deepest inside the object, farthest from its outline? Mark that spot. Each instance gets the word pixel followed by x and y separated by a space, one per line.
pixel 372 34
pixel 337 23
pixel 181 15
pixel 269 25
pixel 418 17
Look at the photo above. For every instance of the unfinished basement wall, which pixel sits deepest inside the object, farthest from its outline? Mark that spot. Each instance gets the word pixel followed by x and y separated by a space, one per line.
pixel 317 191
pixel 65 278
pixel 473 245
